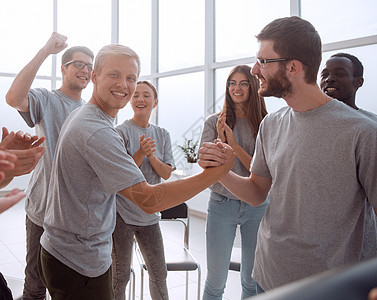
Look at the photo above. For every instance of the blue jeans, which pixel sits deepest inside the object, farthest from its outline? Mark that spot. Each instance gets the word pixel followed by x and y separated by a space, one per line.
pixel 224 215
pixel 259 290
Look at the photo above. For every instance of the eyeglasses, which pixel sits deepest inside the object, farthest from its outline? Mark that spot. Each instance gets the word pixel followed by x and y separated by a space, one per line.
pixel 262 62
pixel 243 84
pixel 79 65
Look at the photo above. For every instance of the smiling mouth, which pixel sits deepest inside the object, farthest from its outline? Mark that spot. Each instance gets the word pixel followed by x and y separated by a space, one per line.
pixel 119 94
pixel 330 89
pixel 82 77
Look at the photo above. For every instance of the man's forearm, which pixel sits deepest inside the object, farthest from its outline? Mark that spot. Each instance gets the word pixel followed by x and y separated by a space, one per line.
pixel 247 189
pixel 169 194
pixel 17 95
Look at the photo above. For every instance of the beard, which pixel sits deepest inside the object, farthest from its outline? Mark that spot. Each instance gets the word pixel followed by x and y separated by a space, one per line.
pixel 277 86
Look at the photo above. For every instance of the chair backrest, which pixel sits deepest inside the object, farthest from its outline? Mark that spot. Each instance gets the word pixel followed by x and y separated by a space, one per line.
pixel 179 213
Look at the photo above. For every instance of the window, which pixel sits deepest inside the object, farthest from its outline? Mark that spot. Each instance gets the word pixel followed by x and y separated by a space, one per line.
pixel 336 21
pixel 181 34
pixel 85 23
pixel 237 23
pixel 181 108
pixel 135 24
pixel 25 29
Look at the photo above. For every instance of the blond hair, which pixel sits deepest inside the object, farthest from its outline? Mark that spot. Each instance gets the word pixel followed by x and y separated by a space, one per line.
pixel 115 49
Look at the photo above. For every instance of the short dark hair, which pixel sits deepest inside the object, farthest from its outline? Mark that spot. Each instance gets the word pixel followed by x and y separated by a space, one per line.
pixel 358 69
pixel 297 38
pixel 68 54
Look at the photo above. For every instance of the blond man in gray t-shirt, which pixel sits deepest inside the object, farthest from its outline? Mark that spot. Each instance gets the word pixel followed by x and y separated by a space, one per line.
pixel 90 166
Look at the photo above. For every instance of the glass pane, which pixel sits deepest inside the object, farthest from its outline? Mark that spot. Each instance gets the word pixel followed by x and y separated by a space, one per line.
pixel 124 114
pixel 220 86
pixel 85 23
pixel 181 34
pixel 25 28
pixel 364 96
pixel 87 92
pixel 238 21
pixel 336 21
pixel 137 37
pixel 180 109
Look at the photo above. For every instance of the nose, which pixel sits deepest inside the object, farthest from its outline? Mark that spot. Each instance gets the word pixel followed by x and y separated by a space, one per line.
pixel 122 82
pixel 255 69
pixel 330 78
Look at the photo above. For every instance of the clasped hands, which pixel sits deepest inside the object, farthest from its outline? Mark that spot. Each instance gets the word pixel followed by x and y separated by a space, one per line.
pixel 19 154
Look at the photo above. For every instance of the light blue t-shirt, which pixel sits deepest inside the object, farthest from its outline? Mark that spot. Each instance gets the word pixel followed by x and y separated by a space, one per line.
pixel 91 165
pixel 130 133
pixel 47 112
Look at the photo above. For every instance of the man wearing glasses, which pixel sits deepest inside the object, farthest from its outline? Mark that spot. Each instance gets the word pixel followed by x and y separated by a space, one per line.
pixel 46 111
pixel 315 157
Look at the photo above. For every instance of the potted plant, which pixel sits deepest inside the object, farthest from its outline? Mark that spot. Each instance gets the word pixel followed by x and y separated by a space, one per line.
pixel 189 148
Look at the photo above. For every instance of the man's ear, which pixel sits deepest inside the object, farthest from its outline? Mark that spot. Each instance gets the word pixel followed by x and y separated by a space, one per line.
pixel 94 77
pixel 358 82
pixel 295 67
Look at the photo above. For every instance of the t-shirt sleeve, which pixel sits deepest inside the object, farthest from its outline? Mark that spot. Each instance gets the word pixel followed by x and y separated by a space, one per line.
pixel 168 153
pixel 209 130
pixel 107 155
pixel 259 163
pixel 38 99
pixel 367 165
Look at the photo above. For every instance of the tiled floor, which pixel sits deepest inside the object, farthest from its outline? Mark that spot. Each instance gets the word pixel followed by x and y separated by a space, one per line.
pixel 12 257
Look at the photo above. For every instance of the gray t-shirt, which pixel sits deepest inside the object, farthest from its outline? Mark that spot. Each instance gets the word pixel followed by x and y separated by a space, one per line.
pixel 130 133
pixel 244 137
pixel 91 165
pixel 323 164
pixel 370 234
pixel 47 112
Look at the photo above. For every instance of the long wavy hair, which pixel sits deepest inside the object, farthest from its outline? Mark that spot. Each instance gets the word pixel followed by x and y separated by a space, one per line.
pixel 256 107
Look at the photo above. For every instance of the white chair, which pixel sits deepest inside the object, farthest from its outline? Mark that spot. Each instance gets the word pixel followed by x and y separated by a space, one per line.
pixel 131 285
